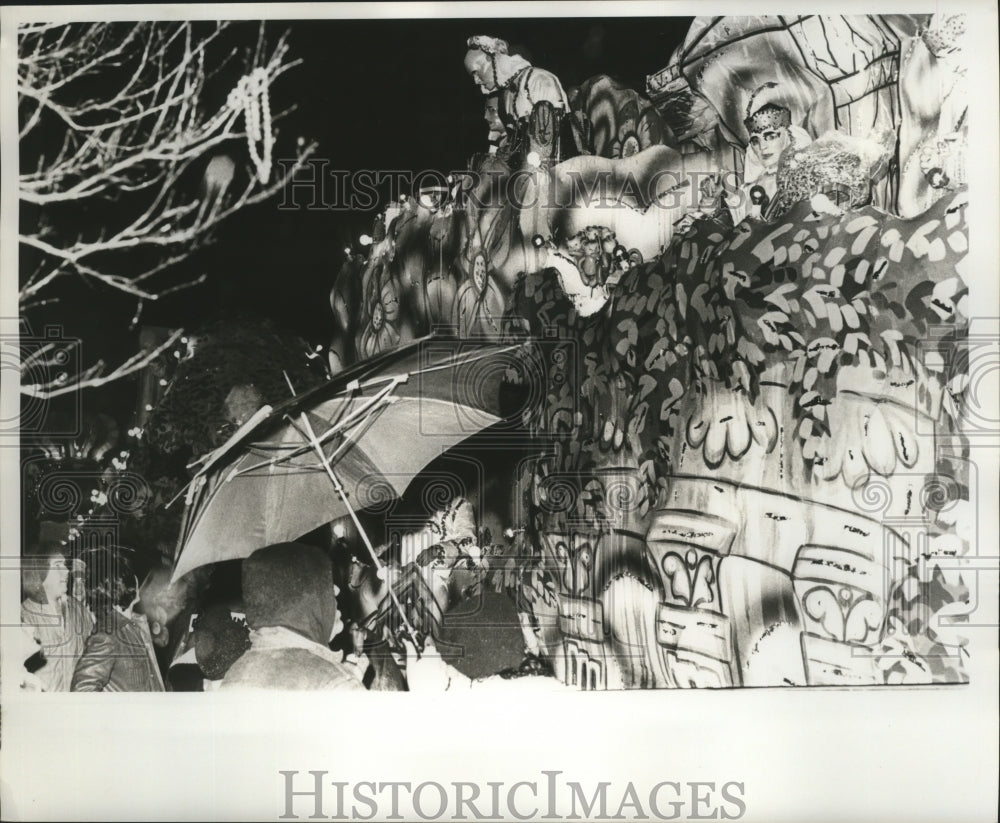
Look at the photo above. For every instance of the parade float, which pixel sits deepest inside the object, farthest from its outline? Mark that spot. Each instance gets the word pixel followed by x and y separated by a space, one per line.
pixel 745 294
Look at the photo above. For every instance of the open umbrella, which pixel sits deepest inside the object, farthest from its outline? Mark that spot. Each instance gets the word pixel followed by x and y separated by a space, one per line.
pixel 347 444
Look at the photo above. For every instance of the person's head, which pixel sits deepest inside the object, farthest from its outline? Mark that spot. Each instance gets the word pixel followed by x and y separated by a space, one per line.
pixel 45 573
pixel 479 66
pixel 769 133
pixel 219 641
pixel 291 585
pixel 481 635
pixel 492 113
pixel 111 582
pixel 481 61
pixel 768 123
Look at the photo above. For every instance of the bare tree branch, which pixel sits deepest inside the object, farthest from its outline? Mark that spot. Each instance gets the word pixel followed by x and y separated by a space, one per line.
pixel 93 376
pixel 120 120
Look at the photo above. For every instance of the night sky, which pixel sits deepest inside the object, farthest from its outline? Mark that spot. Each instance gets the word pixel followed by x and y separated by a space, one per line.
pixel 374 95
pixel 390 95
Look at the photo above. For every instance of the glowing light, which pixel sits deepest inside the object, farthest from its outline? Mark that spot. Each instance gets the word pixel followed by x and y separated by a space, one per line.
pixel 339 531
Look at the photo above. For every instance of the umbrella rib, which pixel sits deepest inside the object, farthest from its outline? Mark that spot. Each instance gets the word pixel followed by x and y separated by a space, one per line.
pixel 379 399
pixel 453 361
pixel 199 481
pixel 248 425
pixel 348 434
pixel 348 423
pixel 298 451
pixel 350 509
pixel 189 489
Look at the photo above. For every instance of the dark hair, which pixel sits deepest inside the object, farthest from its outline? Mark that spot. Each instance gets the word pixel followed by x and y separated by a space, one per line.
pixel 110 580
pixel 35 567
pixel 531 666
pixel 219 641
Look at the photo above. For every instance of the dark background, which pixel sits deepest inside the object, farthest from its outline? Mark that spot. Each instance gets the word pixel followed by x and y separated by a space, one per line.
pixel 374 94
pixel 394 95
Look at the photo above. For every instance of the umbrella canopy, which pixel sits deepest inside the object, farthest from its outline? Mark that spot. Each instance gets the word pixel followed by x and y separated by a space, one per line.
pixel 348 444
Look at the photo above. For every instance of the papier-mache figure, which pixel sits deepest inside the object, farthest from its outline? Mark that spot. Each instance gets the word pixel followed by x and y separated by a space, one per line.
pixel 520 88
pixel 784 165
pixel 770 132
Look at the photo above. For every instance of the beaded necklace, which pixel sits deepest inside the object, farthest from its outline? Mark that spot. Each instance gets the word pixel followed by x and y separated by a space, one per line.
pixel 251 97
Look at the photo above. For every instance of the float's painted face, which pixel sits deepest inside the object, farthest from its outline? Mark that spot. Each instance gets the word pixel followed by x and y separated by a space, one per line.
pixel 479 272
pixel 480 69
pixel 769 144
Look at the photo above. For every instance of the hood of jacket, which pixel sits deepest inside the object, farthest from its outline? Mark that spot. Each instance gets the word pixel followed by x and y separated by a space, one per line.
pixel 290 585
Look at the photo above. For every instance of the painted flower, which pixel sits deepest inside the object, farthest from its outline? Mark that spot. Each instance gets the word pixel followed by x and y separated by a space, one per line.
pixel 637 130
pixel 380 331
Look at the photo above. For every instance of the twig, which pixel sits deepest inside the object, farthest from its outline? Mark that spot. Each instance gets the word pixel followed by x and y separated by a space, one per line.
pixel 93 376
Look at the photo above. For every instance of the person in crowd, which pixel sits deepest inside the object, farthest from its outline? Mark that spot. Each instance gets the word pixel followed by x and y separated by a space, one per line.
pixel 291 609
pixel 119 655
pixel 28 649
pixel 470 636
pixel 481 648
pixel 219 641
pixel 59 621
